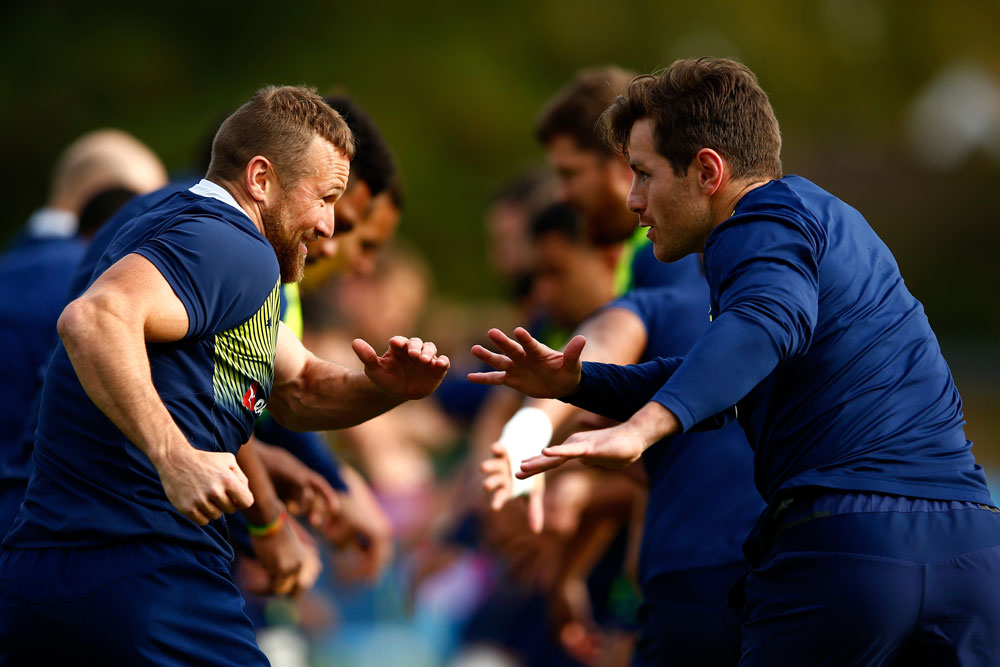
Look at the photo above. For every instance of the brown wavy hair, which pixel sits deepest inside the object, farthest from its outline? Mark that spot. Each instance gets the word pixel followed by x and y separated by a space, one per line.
pixel 705 103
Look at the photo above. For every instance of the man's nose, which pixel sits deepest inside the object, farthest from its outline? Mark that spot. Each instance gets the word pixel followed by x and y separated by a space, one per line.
pixel 635 202
pixel 326 226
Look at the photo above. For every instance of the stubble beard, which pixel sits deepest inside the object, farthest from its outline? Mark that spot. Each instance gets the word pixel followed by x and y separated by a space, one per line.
pixel 291 262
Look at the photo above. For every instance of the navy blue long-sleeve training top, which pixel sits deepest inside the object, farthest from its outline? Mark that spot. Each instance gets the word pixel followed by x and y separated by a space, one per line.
pixel 838 379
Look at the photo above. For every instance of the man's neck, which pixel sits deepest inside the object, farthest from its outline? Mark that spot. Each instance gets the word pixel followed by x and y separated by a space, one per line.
pixel 731 195
pixel 249 205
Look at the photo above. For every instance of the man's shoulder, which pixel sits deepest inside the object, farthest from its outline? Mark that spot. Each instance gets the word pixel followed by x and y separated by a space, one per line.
pixel 194 221
pixel 790 205
pixel 788 195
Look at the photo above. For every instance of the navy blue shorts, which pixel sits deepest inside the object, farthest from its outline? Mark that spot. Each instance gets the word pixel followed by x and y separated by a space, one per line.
pixel 684 619
pixel 11 497
pixel 137 604
pixel 867 579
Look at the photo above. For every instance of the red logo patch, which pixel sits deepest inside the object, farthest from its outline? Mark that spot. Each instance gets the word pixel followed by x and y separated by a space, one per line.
pixel 251 401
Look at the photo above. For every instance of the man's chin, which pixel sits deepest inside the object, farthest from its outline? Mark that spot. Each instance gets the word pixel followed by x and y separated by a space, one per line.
pixel 293 273
pixel 668 255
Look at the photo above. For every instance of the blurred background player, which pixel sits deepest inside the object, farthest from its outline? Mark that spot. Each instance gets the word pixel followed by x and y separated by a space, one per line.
pixel 594 181
pixel 93 176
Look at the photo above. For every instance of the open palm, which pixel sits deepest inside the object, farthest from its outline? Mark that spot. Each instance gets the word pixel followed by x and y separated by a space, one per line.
pixel 529 366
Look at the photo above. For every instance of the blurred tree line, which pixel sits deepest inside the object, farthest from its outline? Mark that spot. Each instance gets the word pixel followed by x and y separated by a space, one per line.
pixel 456 89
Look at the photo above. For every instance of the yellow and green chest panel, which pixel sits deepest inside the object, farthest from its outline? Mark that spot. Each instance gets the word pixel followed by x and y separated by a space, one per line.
pixel 244 359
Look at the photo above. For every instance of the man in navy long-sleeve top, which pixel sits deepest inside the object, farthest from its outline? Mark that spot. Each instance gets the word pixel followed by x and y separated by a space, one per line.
pixel 880 544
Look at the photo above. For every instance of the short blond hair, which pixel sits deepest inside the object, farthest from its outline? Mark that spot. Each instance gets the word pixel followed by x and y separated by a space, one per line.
pixel 278 123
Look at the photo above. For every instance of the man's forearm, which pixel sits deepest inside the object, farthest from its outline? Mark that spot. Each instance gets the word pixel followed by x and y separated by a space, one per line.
pixel 617 392
pixel 267 506
pixel 328 396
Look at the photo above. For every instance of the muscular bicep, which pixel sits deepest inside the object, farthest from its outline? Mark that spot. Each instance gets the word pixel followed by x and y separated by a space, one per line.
pixel 134 288
pixel 615 336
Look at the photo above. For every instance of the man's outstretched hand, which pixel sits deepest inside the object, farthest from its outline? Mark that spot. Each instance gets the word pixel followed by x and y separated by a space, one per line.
pixel 498 482
pixel 409 369
pixel 529 366
pixel 614 447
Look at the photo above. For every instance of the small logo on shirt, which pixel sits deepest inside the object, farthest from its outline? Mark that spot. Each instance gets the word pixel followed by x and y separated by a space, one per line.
pixel 709 313
pixel 251 401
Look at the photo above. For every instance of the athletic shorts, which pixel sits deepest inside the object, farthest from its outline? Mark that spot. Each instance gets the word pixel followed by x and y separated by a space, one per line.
pixel 870 579
pixel 11 497
pixel 136 604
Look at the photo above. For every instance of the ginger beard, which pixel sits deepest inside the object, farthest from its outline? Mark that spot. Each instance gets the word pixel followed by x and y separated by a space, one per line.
pixel 287 245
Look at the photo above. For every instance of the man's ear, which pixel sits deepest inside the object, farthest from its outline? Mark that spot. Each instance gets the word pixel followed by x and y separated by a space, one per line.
pixel 711 170
pixel 260 179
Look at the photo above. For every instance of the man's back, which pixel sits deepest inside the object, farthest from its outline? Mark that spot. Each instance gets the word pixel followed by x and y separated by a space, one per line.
pixel 861 397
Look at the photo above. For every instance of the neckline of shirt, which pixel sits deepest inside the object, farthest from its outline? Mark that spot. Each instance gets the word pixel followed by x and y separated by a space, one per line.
pixel 206 188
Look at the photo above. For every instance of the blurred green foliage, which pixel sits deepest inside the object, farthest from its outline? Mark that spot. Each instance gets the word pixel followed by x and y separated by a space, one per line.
pixel 456 89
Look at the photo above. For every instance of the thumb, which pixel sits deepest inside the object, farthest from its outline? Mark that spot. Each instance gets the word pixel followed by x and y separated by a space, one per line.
pixel 365 352
pixel 573 349
pixel 536 508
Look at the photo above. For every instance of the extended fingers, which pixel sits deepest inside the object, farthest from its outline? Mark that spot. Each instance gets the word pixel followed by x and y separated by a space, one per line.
pixel 491 377
pixel 536 507
pixel 499 494
pixel 492 466
pixel 497 361
pixel 494 481
pixel 507 345
pixel 536 464
pixel 527 343
pixel 572 448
